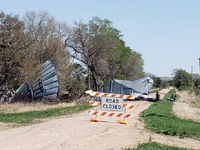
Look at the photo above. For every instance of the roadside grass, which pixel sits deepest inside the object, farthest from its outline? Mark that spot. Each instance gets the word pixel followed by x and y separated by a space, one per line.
pixel 30 116
pixel 169 94
pixel 24 107
pixel 155 146
pixel 155 90
pixel 160 118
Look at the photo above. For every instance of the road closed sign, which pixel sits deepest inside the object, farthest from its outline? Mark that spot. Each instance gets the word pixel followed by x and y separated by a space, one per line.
pixel 112 103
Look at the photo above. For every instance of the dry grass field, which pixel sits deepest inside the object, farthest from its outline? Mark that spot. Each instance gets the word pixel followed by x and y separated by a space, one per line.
pixel 187 106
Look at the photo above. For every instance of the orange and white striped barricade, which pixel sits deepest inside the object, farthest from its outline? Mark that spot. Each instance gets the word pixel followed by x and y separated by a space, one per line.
pixel 100 94
pixel 110 114
pixel 110 102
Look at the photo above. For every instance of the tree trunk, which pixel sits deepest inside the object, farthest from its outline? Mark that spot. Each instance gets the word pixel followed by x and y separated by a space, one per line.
pixel 89 78
pixel 94 78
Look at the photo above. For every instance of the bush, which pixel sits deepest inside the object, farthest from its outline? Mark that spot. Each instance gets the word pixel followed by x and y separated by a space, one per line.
pixel 182 79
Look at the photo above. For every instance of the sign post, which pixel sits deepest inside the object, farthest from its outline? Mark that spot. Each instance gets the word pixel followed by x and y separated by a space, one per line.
pixel 93 103
pixel 123 121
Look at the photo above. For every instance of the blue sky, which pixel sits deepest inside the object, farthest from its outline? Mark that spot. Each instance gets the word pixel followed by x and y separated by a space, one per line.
pixel 165 32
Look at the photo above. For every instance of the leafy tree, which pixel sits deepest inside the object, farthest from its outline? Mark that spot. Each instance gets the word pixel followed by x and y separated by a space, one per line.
pixel 196 79
pixel 93 44
pixel 39 37
pixel 134 67
pixel 165 84
pixel 157 82
pixel 98 45
pixel 15 62
pixel 182 79
pixel 26 44
pixel 75 80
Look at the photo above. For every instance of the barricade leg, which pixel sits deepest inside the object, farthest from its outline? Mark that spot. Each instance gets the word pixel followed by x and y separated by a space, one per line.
pixel 95 119
pixel 123 121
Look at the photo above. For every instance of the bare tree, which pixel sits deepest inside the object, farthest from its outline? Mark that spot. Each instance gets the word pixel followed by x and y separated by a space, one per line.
pixel 48 40
pixel 46 33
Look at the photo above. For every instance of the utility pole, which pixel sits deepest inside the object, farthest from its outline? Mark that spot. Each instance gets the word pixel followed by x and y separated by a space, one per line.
pixel 199 65
pixel 192 76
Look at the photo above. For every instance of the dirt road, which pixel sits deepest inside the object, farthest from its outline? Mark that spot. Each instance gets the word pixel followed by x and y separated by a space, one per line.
pixel 76 132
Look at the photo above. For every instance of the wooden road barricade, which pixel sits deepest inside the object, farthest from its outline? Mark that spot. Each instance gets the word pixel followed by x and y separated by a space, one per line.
pixel 110 102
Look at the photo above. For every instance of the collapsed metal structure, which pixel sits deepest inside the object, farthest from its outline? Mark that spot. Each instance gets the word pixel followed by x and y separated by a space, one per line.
pixel 139 88
pixel 44 86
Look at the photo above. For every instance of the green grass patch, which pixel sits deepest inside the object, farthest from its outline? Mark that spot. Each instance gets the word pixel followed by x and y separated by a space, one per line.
pixel 155 146
pixel 169 94
pixel 28 117
pixel 159 118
